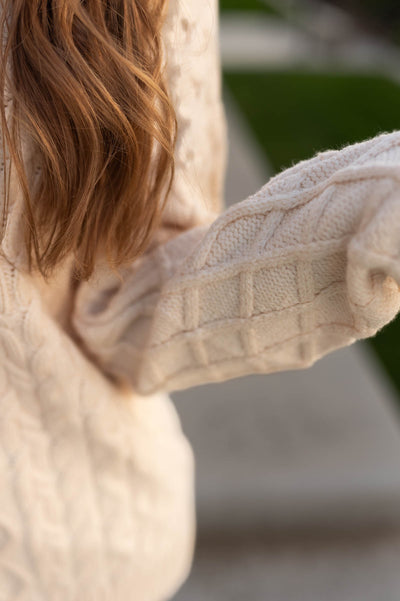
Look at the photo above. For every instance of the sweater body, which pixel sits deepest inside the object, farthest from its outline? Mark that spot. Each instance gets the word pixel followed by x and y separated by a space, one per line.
pixel 96 476
pixel 97 480
pixel 96 483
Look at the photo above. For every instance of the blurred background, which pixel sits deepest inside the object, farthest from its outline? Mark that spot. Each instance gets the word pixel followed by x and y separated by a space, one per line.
pixel 298 473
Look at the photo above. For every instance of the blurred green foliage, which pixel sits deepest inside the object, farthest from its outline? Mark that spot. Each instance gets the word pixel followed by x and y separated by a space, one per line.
pixel 248 5
pixel 295 114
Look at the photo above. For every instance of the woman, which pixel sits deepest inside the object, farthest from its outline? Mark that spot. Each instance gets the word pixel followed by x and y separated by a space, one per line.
pixel 122 279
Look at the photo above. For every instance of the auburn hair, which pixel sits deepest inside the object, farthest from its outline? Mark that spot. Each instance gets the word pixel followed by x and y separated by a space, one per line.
pixel 87 85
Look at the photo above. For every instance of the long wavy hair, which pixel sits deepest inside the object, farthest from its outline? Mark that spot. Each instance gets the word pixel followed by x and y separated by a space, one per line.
pixel 87 85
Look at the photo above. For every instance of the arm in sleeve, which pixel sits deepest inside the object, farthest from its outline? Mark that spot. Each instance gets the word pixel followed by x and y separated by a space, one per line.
pixel 307 265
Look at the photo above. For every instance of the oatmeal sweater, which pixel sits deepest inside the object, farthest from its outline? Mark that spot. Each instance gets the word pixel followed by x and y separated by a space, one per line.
pixel 96 476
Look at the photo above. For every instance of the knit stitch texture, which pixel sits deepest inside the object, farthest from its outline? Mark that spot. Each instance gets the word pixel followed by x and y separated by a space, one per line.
pixel 308 264
pixel 96 479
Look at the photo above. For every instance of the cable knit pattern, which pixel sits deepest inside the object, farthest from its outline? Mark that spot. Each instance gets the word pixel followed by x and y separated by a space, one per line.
pixel 96 479
pixel 307 265
pixel 97 491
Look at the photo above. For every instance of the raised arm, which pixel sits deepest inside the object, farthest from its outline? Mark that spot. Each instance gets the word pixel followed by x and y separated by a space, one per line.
pixel 307 265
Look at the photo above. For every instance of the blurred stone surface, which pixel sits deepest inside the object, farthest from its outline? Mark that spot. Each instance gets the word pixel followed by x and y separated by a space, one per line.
pixel 318 448
pixel 248 168
pixel 251 41
pixel 356 568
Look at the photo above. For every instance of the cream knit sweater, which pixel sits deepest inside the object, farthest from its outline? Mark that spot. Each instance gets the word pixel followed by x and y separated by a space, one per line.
pixel 96 480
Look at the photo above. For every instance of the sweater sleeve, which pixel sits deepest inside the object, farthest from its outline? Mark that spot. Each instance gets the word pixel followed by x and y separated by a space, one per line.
pixel 308 264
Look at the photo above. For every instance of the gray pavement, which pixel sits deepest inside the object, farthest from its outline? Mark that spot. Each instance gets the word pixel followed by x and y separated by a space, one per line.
pixel 352 568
